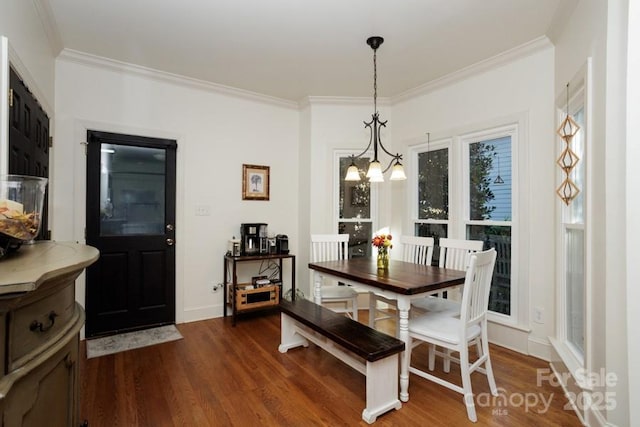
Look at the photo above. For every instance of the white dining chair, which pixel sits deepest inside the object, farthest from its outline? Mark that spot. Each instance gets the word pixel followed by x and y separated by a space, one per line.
pixel 332 247
pixel 456 334
pixel 455 254
pixel 415 249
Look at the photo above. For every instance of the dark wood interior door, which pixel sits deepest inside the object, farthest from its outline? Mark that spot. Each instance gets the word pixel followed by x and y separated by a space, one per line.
pixel 131 198
pixel 28 139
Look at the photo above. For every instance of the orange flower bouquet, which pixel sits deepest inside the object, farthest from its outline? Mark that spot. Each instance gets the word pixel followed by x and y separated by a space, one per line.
pixel 383 243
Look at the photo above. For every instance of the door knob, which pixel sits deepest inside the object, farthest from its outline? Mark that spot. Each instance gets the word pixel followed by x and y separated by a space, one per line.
pixel 170 242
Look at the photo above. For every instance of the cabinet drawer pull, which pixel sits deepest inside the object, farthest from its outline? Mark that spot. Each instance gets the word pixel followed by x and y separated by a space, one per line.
pixel 39 326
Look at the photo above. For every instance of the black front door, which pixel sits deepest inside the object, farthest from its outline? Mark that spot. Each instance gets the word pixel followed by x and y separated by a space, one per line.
pixel 131 198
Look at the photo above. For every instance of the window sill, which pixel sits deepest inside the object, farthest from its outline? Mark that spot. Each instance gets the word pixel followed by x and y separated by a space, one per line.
pixel 574 366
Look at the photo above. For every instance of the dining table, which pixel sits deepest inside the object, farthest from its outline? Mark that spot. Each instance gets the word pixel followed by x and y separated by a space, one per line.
pixel 402 281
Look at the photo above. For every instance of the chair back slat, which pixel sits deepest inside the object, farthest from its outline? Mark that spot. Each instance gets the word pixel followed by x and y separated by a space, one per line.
pixel 454 253
pixel 477 284
pixel 416 249
pixel 329 247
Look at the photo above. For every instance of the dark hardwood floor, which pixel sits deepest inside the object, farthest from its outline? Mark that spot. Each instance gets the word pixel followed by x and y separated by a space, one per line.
pixel 220 375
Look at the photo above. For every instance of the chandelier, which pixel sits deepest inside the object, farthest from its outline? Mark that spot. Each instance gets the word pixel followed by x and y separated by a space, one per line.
pixel 375 171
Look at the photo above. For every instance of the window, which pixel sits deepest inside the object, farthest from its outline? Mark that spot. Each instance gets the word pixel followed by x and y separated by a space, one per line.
pixel 433 194
pixel 464 189
pixel 354 207
pixel 488 202
pixel 573 245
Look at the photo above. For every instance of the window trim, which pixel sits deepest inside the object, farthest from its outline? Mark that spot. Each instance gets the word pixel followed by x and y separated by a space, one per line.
pixel 511 130
pixel 579 96
pixel 423 147
pixel 518 124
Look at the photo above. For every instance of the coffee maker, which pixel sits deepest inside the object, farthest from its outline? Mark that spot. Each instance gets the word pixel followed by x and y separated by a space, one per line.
pixel 253 239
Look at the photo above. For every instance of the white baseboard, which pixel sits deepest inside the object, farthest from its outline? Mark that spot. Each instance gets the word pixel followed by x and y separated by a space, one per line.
pixel 201 313
pixel 513 338
pixel 540 348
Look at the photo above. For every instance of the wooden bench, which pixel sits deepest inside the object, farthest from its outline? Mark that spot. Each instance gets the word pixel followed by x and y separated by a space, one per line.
pixel 370 352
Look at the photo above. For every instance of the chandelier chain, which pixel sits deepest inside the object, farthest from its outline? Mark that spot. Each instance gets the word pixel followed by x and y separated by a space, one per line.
pixel 375 82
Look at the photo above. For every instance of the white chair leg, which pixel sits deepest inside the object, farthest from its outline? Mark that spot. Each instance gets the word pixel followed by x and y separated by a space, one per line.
pixel 354 305
pixel 466 384
pixel 487 364
pixel 372 310
pixel 447 360
pixel 432 357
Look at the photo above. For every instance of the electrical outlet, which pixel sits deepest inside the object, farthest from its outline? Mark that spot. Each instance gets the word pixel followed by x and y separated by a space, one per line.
pixel 538 315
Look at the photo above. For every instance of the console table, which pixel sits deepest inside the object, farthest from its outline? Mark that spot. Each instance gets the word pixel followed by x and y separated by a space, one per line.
pixel 40 322
pixel 243 297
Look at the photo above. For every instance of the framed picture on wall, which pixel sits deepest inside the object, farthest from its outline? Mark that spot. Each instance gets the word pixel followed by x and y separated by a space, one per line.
pixel 255 182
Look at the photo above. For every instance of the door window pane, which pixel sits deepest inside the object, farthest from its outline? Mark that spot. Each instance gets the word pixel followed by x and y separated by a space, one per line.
pixel 498 237
pixel 433 184
pixel 490 180
pixel 132 190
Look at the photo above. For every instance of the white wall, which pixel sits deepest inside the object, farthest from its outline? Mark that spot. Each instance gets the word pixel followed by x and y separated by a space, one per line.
pixel 216 133
pixel 521 90
pixel 30 51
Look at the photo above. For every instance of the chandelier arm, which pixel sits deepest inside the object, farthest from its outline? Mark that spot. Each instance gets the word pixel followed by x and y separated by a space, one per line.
pixel 367 125
pixel 389 165
pixel 396 156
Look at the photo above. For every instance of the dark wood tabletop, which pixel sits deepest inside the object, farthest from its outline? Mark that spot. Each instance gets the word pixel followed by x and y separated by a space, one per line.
pixel 402 277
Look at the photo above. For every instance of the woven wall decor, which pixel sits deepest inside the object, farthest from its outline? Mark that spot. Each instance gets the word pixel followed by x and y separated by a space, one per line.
pixel 568 160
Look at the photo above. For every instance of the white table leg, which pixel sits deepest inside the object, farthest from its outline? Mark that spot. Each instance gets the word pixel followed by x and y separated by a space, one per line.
pixel 317 283
pixel 404 303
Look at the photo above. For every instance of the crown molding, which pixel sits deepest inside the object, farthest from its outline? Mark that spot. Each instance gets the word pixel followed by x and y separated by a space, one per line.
pixel 518 52
pixel 70 55
pixel 49 25
pixel 341 100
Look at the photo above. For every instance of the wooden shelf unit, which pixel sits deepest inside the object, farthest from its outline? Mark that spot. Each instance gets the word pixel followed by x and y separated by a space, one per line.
pixel 264 297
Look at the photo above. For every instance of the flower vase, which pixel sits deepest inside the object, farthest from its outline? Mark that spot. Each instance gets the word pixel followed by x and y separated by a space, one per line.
pixel 383 259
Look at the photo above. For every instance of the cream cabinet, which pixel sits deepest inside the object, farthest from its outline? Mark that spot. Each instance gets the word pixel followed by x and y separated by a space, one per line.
pixel 40 323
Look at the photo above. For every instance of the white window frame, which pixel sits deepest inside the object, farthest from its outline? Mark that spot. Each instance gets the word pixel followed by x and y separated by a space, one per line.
pixel 445 143
pixel 457 143
pixel 374 214
pixel 579 96
pixel 511 131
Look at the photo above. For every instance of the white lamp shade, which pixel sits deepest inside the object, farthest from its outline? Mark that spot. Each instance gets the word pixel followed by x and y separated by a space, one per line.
pixel 352 174
pixel 397 173
pixel 375 172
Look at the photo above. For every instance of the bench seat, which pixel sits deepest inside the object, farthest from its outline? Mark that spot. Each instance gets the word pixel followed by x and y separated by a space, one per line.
pixel 370 352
